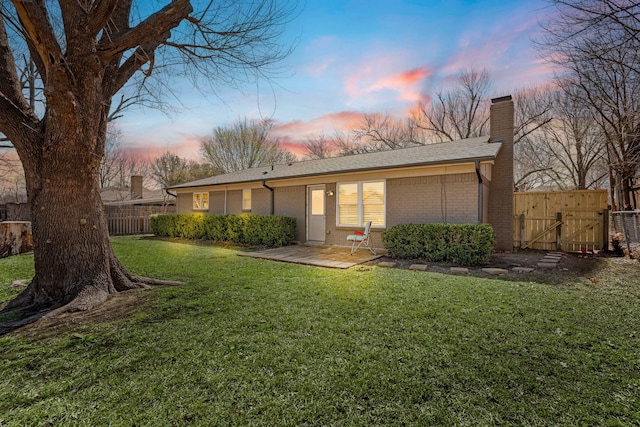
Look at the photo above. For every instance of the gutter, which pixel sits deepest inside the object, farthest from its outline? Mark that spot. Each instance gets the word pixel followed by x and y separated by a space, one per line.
pixel 264 184
pixel 480 192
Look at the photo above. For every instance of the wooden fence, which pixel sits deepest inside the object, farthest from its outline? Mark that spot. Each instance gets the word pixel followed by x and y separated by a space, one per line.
pixel 572 221
pixel 133 219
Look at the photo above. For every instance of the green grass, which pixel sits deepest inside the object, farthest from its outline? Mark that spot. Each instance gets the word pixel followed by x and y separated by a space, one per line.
pixel 254 342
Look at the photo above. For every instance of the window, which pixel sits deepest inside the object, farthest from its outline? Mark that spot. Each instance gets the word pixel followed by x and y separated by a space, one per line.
pixel 200 201
pixel 359 202
pixel 246 199
pixel 317 202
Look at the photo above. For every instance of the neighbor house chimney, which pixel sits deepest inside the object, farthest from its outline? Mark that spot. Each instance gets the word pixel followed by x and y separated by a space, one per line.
pixel 501 190
pixel 136 187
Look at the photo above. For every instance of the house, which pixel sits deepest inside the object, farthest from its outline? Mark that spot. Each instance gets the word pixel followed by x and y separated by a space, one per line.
pixel 135 195
pixel 128 209
pixel 465 181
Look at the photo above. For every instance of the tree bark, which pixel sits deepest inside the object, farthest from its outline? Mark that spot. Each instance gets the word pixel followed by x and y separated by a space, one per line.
pixel 75 265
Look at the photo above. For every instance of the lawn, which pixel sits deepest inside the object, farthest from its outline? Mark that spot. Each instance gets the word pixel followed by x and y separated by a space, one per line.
pixel 254 342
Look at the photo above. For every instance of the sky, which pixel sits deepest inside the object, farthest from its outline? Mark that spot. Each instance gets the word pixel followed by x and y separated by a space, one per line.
pixel 354 57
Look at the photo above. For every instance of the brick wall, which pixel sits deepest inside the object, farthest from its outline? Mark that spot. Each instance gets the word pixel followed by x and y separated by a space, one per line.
pixel 216 202
pixel 260 201
pixel 500 212
pixel 442 198
pixel 184 203
pixel 291 201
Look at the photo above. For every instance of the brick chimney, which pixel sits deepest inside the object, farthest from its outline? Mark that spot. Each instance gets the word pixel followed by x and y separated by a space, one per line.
pixel 501 190
pixel 136 187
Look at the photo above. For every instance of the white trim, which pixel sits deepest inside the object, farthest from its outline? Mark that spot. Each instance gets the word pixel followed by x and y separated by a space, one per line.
pixel 204 204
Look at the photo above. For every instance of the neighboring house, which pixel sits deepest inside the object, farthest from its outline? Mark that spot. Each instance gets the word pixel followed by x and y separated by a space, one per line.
pixel 128 209
pixel 465 181
pixel 135 195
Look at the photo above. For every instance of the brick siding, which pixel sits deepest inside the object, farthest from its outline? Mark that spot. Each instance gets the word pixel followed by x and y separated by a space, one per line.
pixel 442 198
pixel 500 211
pixel 291 201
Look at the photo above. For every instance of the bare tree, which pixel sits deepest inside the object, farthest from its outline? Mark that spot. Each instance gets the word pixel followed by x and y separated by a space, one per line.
pixel 170 169
pixel 597 45
pixel 201 170
pixel 12 187
pixel 319 147
pixel 460 113
pixel 113 158
pixel 85 53
pixel 379 132
pixel 376 132
pixel 532 115
pixel 242 145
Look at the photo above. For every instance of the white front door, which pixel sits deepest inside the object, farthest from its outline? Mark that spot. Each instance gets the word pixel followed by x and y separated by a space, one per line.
pixel 316 213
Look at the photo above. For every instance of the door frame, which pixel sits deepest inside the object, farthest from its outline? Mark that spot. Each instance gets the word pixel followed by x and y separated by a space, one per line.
pixel 310 188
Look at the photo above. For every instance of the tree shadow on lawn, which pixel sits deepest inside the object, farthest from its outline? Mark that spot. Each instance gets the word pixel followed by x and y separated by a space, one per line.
pixel 118 306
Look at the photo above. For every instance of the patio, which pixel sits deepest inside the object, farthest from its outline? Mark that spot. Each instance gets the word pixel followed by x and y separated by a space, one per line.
pixel 318 255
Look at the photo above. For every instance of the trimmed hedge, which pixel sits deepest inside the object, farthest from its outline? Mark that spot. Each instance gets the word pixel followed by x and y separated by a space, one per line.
pixel 273 231
pixel 463 244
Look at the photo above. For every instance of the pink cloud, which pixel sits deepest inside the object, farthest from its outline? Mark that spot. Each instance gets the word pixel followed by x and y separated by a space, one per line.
pixel 406 83
pixel 187 146
pixel 292 135
pixel 299 130
pixel 371 76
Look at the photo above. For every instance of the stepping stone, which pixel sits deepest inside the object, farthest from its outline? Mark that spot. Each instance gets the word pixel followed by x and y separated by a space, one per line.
pixel 560 254
pixel 462 270
pixel 495 271
pixel 523 269
pixel 388 264
pixel 419 267
pixel 548 265
pixel 552 257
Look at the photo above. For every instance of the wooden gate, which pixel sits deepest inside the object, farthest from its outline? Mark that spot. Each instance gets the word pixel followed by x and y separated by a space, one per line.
pixel 572 221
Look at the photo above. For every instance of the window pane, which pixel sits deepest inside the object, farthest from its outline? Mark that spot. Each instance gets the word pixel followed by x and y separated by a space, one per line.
pixel 375 214
pixel 317 202
pixel 196 201
pixel 246 199
pixel 373 203
pixel 348 215
pixel 348 204
pixel 373 192
pixel 348 193
pixel 205 200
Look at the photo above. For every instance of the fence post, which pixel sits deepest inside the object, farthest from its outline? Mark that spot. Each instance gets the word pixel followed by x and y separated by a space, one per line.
pixel 559 231
pixel 605 229
pixel 521 219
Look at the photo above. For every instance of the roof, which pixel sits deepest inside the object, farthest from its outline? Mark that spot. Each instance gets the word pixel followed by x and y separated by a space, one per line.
pixel 465 150
pixel 122 196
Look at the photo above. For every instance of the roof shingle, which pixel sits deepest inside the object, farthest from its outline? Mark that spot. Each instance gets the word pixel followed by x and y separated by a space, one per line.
pixel 464 150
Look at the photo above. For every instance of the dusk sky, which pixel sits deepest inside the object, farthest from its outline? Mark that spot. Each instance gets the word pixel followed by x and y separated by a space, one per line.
pixel 353 57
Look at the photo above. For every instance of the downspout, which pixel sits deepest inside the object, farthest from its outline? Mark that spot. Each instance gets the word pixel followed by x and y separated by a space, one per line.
pixel 264 184
pixel 480 193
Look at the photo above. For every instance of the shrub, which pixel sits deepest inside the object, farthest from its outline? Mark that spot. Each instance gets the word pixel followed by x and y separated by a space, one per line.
pixel 463 244
pixel 272 231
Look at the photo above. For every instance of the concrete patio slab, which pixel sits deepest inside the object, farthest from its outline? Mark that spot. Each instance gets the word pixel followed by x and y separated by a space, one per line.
pixel 321 256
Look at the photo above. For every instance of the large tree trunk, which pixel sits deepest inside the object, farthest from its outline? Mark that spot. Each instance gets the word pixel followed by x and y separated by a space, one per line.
pixel 73 257
pixel 75 265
